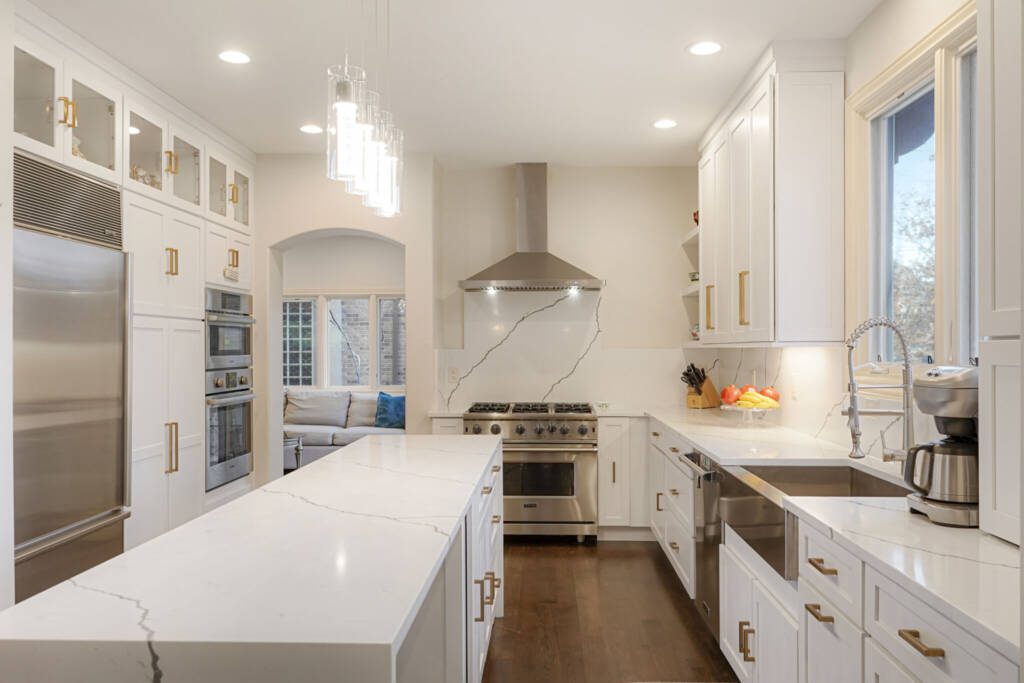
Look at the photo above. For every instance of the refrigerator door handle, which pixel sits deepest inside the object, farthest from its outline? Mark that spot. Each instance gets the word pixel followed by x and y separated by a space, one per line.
pixel 36 547
pixel 129 294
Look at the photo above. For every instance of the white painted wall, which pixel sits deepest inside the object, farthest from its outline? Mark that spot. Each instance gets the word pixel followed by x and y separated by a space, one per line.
pixel 345 264
pixel 889 31
pixel 296 198
pixel 6 286
pixel 623 225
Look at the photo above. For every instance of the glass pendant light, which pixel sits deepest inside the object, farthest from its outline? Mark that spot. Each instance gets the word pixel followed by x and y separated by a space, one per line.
pixel 380 191
pixel 366 123
pixel 392 204
pixel 346 85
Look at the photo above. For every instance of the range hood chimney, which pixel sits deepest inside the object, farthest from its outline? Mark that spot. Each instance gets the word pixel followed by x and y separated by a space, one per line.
pixel 531 267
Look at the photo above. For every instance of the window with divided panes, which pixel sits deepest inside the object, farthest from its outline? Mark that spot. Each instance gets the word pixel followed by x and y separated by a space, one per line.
pixel 299 332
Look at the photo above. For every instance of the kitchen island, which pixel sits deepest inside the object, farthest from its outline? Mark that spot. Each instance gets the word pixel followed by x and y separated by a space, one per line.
pixel 363 566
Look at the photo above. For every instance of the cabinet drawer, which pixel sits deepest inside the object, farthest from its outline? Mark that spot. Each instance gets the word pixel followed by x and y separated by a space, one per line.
pixel 657 434
pixel 830 644
pixel 679 547
pixel 487 499
pixel 833 571
pixel 679 494
pixel 880 667
pixel 956 655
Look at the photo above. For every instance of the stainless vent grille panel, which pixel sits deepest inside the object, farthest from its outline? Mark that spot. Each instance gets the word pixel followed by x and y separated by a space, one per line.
pixel 54 200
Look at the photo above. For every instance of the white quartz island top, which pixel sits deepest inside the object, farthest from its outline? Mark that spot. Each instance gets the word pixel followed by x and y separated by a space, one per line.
pixel 969 576
pixel 324 568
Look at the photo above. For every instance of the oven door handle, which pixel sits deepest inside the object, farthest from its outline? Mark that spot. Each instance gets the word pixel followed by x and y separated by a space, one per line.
pixel 550 449
pixel 231 318
pixel 231 400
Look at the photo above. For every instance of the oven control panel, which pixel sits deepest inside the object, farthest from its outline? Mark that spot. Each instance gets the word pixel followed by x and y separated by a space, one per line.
pixel 220 381
pixel 535 430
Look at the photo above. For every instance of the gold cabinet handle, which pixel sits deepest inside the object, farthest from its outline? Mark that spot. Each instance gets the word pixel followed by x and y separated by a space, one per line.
pixel 74 114
pixel 66 107
pixel 674 492
pixel 495 519
pixel 613 471
pixel 673 449
pixel 172 261
pixel 707 307
pixel 233 195
pixel 233 258
pixel 819 564
pixel 170 161
pixel 745 632
pixel 489 577
pixel 177 164
pixel 815 611
pixel 480 583
pixel 913 636
pixel 486 490
pixel 169 426
pixel 177 447
pixel 744 320
pixel 674 546
pixel 655 434
pixel 495 468
pixel 657 502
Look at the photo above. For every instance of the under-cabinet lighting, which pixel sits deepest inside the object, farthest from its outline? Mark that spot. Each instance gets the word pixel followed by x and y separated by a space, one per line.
pixel 573 291
pixel 491 291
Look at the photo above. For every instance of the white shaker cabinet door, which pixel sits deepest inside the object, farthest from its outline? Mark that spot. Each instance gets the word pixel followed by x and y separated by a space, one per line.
pixel 187 409
pixel 184 233
pixel 152 260
pixel 735 590
pixel 999 432
pixel 830 644
pixel 881 667
pixel 774 649
pixel 613 471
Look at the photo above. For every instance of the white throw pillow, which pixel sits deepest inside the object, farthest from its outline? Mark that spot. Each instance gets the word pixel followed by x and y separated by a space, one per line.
pixel 316 407
pixel 362 410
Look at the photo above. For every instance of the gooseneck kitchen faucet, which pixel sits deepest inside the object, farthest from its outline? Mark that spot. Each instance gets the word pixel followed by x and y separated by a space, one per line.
pixel 854 411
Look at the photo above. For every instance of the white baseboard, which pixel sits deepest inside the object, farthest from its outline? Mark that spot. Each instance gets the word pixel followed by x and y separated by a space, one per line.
pixel 624 533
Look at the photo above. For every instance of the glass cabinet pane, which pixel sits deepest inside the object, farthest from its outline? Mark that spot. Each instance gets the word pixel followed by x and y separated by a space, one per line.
pixel 93 119
pixel 34 86
pixel 240 198
pixel 145 151
pixel 218 187
pixel 187 161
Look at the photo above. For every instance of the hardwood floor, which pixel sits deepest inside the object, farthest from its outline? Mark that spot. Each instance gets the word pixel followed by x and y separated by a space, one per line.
pixel 612 612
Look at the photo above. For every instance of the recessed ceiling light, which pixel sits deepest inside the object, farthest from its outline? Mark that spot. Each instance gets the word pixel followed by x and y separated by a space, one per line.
pixel 234 57
pixel 132 130
pixel 705 48
pixel 311 129
pixel 665 123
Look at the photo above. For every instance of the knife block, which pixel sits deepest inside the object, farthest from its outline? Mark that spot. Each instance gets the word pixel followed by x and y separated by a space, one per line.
pixel 708 398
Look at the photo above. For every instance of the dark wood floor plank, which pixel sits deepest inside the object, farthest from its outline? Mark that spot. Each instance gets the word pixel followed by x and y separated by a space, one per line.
pixel 612 612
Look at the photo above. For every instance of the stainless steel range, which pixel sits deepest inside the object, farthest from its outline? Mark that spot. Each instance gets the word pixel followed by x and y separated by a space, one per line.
pixel 550 464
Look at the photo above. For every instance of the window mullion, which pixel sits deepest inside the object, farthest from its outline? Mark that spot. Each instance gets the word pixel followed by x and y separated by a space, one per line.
pixel 947 213
pixel 374 351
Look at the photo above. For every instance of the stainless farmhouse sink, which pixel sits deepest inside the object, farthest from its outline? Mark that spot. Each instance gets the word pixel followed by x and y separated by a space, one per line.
pixel 751 503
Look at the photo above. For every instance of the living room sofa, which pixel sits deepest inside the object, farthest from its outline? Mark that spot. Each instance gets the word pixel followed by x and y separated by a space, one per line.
pixel 326 420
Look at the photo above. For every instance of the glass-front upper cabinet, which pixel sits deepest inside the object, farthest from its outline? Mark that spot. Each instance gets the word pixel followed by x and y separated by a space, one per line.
pixel 229 190
pixel 36 76
pixel 146 159
pixel 186 176
pixel 162 158
pixel 90 113
pixel 217 186
pixel 240 196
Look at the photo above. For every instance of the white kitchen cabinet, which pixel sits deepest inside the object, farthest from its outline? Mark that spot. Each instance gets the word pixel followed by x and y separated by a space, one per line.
pixel 639 509
pixel 168 426
pixel 771 642
pixel 656 489
pixel 680 548
pixel 613 468
pixel 882 667
pixel 446 425
pixel 771 250
pixel 485 568
pixel 228 257
pixel 999 442
pixel 66 111
pixel 830 645
pixel 167 267
pixel 1000 90
pixel 229 190
pixel 736 618
pixel 162 158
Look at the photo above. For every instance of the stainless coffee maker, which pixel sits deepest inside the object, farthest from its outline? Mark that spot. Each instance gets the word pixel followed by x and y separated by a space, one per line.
pixel 944 473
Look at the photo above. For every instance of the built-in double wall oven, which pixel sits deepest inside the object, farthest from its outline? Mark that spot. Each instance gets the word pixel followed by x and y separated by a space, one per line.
pixel 229 390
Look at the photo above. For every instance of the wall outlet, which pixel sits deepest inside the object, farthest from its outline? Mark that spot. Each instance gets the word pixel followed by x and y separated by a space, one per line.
pixel 453 375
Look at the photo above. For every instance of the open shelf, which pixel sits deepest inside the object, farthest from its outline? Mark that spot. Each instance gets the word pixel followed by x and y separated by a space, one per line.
pixel 691 238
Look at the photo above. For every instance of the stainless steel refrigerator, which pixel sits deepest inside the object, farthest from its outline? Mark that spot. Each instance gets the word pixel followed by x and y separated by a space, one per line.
pixel 71 447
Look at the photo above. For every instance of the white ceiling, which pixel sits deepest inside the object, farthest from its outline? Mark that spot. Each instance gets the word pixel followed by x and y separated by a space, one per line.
pixel 478 81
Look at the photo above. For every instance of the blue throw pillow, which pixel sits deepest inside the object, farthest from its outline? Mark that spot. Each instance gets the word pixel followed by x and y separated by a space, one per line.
pixel 390 411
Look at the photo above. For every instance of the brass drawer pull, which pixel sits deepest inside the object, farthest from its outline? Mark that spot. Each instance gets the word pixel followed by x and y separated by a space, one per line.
pixel 489 576
pixel 744 320
pixel 674 492
pixel 657 502
pixel 655 433
pixel 495 468
pixel 745 632
pixel 169 426
pixel 486 490
pixel 480 582
pixel 66 104
pixel 673 449
pixel 495 519
pixel 819 564
pixel 172 261
pixel 73 123
pixel 674 546
pixel 233 258
pixel 815 611
pixel 613 471
pixel 233 196
pixel 913 636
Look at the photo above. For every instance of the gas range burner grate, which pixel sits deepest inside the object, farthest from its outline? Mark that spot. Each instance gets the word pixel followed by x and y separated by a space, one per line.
pixel 489 408
pixel 530 408
pixel 573 408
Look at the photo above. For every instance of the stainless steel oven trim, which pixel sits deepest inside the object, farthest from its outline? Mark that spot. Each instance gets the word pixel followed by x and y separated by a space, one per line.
pixel 218 475
pixel 219 402
pixel 231 319
pixel 239 360
pixel 213 300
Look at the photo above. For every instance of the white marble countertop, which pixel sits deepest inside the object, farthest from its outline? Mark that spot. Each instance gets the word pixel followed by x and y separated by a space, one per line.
pixel 969 576
pixel 341 552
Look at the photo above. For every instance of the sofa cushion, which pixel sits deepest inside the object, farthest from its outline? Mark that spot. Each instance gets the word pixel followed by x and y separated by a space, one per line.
pixel 344 437
pixel 390 411
pixel 312 435
pixel 362 409
pixel 316 407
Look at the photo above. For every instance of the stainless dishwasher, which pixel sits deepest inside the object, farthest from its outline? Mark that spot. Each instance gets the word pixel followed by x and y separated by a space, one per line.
pixel 707 529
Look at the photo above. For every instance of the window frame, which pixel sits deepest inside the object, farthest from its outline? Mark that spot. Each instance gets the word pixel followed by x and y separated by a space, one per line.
pixel 938 59
pixel 313 338
pixel 322 371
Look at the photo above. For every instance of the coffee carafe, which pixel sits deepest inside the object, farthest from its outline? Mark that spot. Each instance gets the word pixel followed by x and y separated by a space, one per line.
pixel 944 473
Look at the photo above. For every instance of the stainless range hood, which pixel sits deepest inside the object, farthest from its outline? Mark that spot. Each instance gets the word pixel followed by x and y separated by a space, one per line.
pixel 531 267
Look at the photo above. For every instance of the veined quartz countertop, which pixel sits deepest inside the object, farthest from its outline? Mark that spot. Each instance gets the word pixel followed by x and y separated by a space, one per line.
pixel 329 564
pixel 970 577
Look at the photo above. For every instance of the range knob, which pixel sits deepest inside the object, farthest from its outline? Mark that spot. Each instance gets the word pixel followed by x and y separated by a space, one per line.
pixel 538 429
pixel 520 429
pixel 476 429
pixel 243 380
pixel 219 382
pixel 582 430
pixel 552 429
pixel 564 430
pixel 495 428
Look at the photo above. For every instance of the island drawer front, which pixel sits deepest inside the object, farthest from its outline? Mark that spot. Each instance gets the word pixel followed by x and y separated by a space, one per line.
pixel 831 647
pixel 681 550
pixel 880 667
pixel 834 571
pixel 679 493
pixel 889 609
pixel 488 490
pixel 657 434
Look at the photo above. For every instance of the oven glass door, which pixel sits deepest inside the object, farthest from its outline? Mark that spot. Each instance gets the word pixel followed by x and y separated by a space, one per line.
pixel 229 439
pixel 549 484
pixel 228 344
